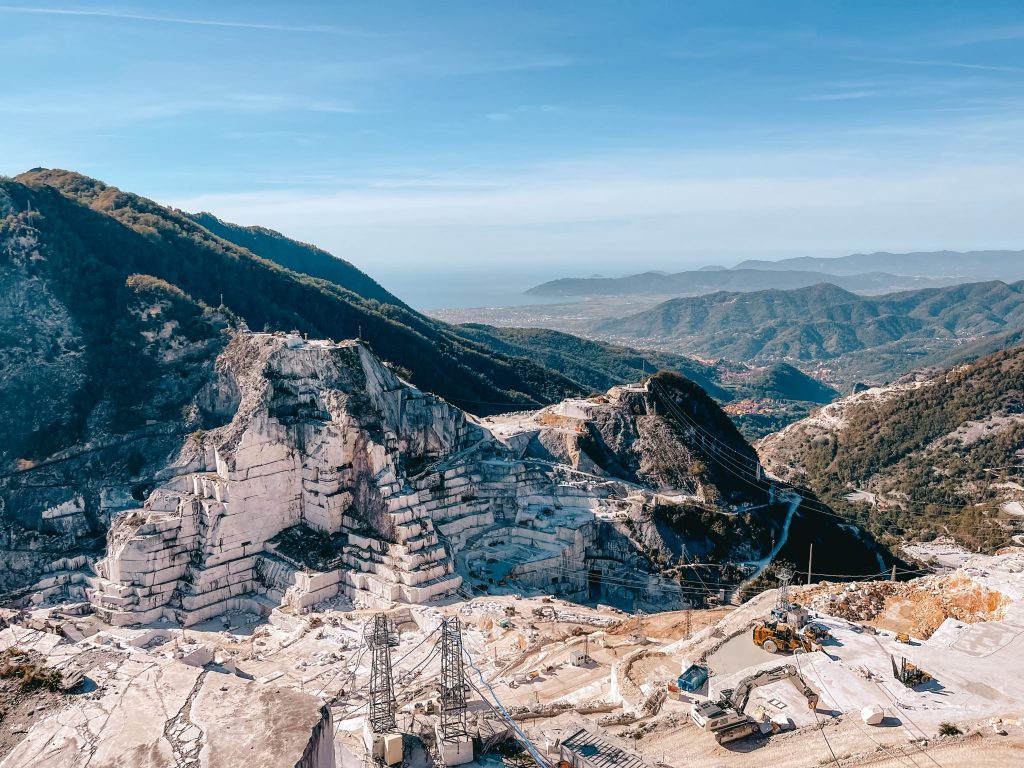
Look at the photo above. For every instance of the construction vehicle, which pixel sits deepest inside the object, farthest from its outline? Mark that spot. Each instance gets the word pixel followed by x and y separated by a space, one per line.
pixel 776 636
pixel 725 718
pixel 819 632
pixel 793 614
pixel 909 674
pixel 903 637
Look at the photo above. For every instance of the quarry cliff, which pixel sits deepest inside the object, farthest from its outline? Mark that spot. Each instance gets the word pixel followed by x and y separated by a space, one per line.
pixel 334 478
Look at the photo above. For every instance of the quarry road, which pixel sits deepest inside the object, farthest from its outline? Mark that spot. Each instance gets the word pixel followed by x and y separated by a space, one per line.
pixel 764 562
pixel 854 747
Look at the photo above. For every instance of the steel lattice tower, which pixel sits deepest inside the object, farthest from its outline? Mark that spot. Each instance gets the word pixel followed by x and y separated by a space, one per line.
pixel 785 577
pixel 453 681
pixel 380 638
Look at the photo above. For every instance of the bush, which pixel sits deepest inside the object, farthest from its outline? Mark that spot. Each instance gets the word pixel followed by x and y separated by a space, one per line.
pixel 29 671
pixel 949 729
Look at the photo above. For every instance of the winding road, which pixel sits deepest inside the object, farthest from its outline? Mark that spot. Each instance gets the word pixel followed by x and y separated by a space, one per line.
pixel 759 565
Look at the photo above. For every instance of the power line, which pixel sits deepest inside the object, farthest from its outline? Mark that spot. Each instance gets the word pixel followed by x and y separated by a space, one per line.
pixel 820 722
pixel 504 713
pixel 743 459
pixel 739 471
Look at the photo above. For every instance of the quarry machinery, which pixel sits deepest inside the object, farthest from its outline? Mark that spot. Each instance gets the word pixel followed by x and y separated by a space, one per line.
pixel 909 674
pixel 725 718
pixel 776 636
pixel 788 627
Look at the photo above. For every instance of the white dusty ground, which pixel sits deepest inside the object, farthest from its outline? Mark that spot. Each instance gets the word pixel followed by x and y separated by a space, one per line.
pixel 263 696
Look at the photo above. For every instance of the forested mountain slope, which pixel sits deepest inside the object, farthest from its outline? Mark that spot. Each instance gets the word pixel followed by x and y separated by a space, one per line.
pixel 849 337
pixel 928 454
pixel 114 234
pixel 298 257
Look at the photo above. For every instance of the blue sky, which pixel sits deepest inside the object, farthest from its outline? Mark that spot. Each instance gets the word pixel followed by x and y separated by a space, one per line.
pixel 548 137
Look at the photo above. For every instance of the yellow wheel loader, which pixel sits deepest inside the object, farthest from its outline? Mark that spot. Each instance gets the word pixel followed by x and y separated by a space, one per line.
pixel 776 637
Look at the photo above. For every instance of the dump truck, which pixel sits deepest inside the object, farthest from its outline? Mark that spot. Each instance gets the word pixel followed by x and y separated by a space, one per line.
pixel 725 718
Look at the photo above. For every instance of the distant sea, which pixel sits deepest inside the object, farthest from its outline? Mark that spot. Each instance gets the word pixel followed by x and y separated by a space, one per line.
pixel 460 287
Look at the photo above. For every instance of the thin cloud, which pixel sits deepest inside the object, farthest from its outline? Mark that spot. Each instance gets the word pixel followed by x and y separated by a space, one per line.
pixel 525 65
pixel 991 35
pixel 170 19
pixel 842 96
pixel 508 114
pixel 939 63
pixel 530 217
pixel 97 112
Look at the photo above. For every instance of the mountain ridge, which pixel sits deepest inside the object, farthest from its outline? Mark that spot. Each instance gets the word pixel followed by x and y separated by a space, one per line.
pixel 264 293
pixel 997 264
pixel 873 274
pixel 824 325
pixel 297 256
pixel 926 455
pixel 704 281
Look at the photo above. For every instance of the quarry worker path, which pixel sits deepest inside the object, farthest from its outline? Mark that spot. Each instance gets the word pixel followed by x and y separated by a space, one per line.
pixel 760 565
pixel 854 748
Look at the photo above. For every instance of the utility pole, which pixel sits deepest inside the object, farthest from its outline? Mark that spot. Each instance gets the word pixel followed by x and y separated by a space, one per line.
pixel 380 637
pixel 687 627
pixel 810 561
pixel 893 577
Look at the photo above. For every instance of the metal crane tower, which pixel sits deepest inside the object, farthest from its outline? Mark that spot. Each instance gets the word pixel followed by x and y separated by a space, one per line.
pixel 785 577
pixel 381 637
pixel 453 681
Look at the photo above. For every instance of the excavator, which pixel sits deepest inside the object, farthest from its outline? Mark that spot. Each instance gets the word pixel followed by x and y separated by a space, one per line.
pixel 725 718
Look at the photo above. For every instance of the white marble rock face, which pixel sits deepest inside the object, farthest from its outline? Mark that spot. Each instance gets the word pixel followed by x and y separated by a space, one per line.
pixel 325 436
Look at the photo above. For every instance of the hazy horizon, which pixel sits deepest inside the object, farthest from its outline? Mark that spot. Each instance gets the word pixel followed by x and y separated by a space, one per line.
pixel 539 134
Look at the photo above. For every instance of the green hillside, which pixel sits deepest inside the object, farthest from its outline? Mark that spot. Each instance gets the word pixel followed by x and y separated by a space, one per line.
pixel 847 336
pixel 97 236
pixel 784 382
pixel 594 364
pixel 941 455
pixel 298 257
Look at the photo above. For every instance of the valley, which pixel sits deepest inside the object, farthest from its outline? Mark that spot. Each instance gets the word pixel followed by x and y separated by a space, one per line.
pixel 511 385
pixel 522 567
pixel 544 677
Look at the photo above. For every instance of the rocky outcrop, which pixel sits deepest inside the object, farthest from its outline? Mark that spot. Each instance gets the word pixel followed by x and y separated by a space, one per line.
pixel 662 434
pixel 113 311
pixel 322 437
pixel 334 475
pixel 319 752
pixel 94 407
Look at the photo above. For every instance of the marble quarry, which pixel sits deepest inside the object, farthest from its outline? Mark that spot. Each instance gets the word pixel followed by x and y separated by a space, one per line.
pixel 402 497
